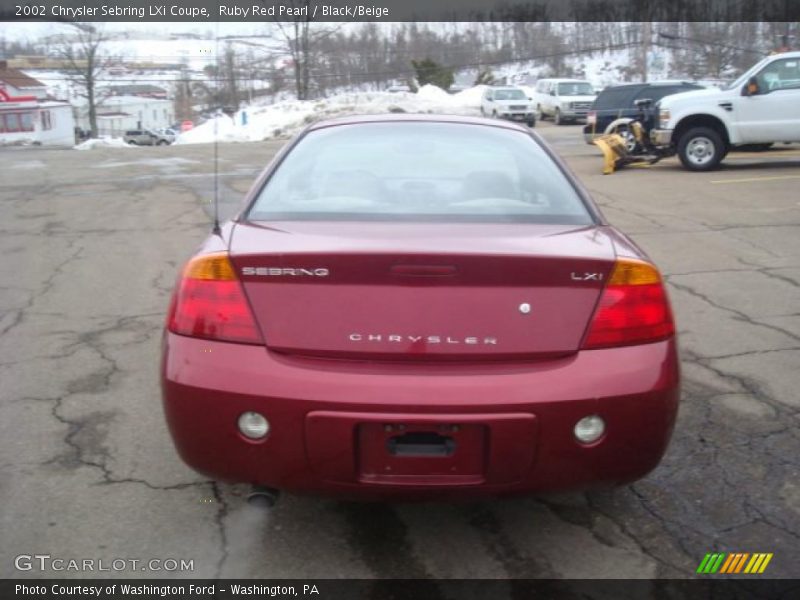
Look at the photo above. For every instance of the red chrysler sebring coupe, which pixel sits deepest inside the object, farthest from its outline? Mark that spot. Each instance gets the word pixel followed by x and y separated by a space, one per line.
pixel 417 306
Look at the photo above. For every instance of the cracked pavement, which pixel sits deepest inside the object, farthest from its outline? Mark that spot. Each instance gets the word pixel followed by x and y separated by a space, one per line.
pixel 91 244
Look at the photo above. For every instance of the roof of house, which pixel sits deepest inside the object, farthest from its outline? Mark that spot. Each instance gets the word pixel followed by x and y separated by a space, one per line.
pixel 17 78
pixel 133 89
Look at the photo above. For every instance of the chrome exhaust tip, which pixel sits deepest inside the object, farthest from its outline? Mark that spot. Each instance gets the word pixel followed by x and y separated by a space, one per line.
pixel 263 497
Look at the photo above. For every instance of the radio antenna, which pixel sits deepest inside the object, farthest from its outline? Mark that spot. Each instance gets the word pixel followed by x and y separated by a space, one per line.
pixel 216 228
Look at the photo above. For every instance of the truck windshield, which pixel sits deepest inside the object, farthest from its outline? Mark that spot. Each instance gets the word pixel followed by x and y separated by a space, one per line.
pixel 578 88
pixel 509 95
pixel 743 79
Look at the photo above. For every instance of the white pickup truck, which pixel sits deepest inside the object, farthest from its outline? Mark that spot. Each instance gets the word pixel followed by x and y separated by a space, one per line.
pixel 760 108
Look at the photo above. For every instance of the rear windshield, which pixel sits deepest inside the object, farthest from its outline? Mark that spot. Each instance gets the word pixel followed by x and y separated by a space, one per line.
pixel 419 171
pixel 615 98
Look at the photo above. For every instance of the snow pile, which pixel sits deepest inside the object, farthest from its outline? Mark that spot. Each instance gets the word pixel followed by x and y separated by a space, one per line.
pixel 286 118
pixel 102 142
pixel 471 96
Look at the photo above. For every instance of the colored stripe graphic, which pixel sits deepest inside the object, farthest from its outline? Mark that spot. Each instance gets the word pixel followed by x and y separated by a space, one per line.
pixel 730 564
pixel 734 563
pixel 755 562
pixel 711 563
pixel 740 564
pixel 703 563
pixel 727 564
pixel 765 563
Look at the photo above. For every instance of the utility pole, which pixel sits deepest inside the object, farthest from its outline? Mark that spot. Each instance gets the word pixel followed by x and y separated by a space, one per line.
pixel 647 35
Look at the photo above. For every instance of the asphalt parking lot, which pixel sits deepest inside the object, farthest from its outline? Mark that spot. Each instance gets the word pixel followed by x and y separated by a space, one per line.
pixel 91 243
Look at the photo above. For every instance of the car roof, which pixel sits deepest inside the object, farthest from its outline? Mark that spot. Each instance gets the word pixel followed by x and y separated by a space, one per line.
pixel 414 118
pixel 651 83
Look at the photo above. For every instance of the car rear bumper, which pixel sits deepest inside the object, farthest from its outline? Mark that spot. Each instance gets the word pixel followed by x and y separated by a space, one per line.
pixel 518 116
pixel 574 113
pixel 333 422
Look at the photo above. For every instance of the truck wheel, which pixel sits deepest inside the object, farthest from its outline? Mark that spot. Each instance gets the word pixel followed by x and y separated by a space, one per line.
pixel 557 118
pixel 701 149
pixel 631 143
pixel 539 113
pixel 532 123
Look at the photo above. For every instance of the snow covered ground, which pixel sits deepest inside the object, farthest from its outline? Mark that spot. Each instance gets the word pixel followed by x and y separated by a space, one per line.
pixel 103 142
pixel 286 118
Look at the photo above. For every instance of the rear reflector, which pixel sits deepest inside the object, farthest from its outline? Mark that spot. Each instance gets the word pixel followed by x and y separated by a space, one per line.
pixel 209 303
pixel 633 308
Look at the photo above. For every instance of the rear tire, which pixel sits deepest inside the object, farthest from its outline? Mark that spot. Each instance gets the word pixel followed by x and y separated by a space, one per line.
pixel 701 149
pixel 162 143
pixel 494 114
pixel 532 123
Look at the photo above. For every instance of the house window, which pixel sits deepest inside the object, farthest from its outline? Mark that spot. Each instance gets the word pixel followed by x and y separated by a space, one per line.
pixel 16 122
pixel 47 122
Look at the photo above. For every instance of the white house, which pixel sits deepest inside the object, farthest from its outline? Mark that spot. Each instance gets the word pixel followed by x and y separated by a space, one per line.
pixel 118 114
pixel 27 117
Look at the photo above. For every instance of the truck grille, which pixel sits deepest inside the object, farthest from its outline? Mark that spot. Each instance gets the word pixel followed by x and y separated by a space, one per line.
pixel 581 105
pixel 518 107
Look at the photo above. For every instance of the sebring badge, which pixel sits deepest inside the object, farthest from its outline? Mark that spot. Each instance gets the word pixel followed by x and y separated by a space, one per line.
pixel 285 272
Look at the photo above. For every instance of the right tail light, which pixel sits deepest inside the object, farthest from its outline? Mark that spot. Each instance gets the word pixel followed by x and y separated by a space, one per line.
pixel 633 308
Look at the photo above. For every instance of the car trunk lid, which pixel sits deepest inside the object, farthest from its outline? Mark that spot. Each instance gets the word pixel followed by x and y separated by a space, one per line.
pixel 422 291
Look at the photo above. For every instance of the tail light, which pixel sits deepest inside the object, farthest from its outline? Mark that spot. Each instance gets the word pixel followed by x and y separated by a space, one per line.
pixel 209 303
pixel 633 308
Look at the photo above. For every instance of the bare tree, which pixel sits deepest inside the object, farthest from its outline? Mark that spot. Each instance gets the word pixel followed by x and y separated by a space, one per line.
pixel 303 40
pixel 85 62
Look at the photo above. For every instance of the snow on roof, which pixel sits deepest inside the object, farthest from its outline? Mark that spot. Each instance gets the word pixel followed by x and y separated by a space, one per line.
pixel 120 100
pixel 18 79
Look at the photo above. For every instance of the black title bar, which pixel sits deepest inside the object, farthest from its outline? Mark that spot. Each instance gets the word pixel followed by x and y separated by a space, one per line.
pixel 255 11
pixel 744 588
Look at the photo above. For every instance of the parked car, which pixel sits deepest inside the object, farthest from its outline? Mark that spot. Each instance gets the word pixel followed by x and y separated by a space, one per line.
pixel 167 133
pixel 760 108
pixel 146 137
pixel 508 102
pixel 419 306
pixel 563 100
pixel 615 106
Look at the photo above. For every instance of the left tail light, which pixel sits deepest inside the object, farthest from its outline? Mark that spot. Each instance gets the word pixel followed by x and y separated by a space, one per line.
pixel 209 303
